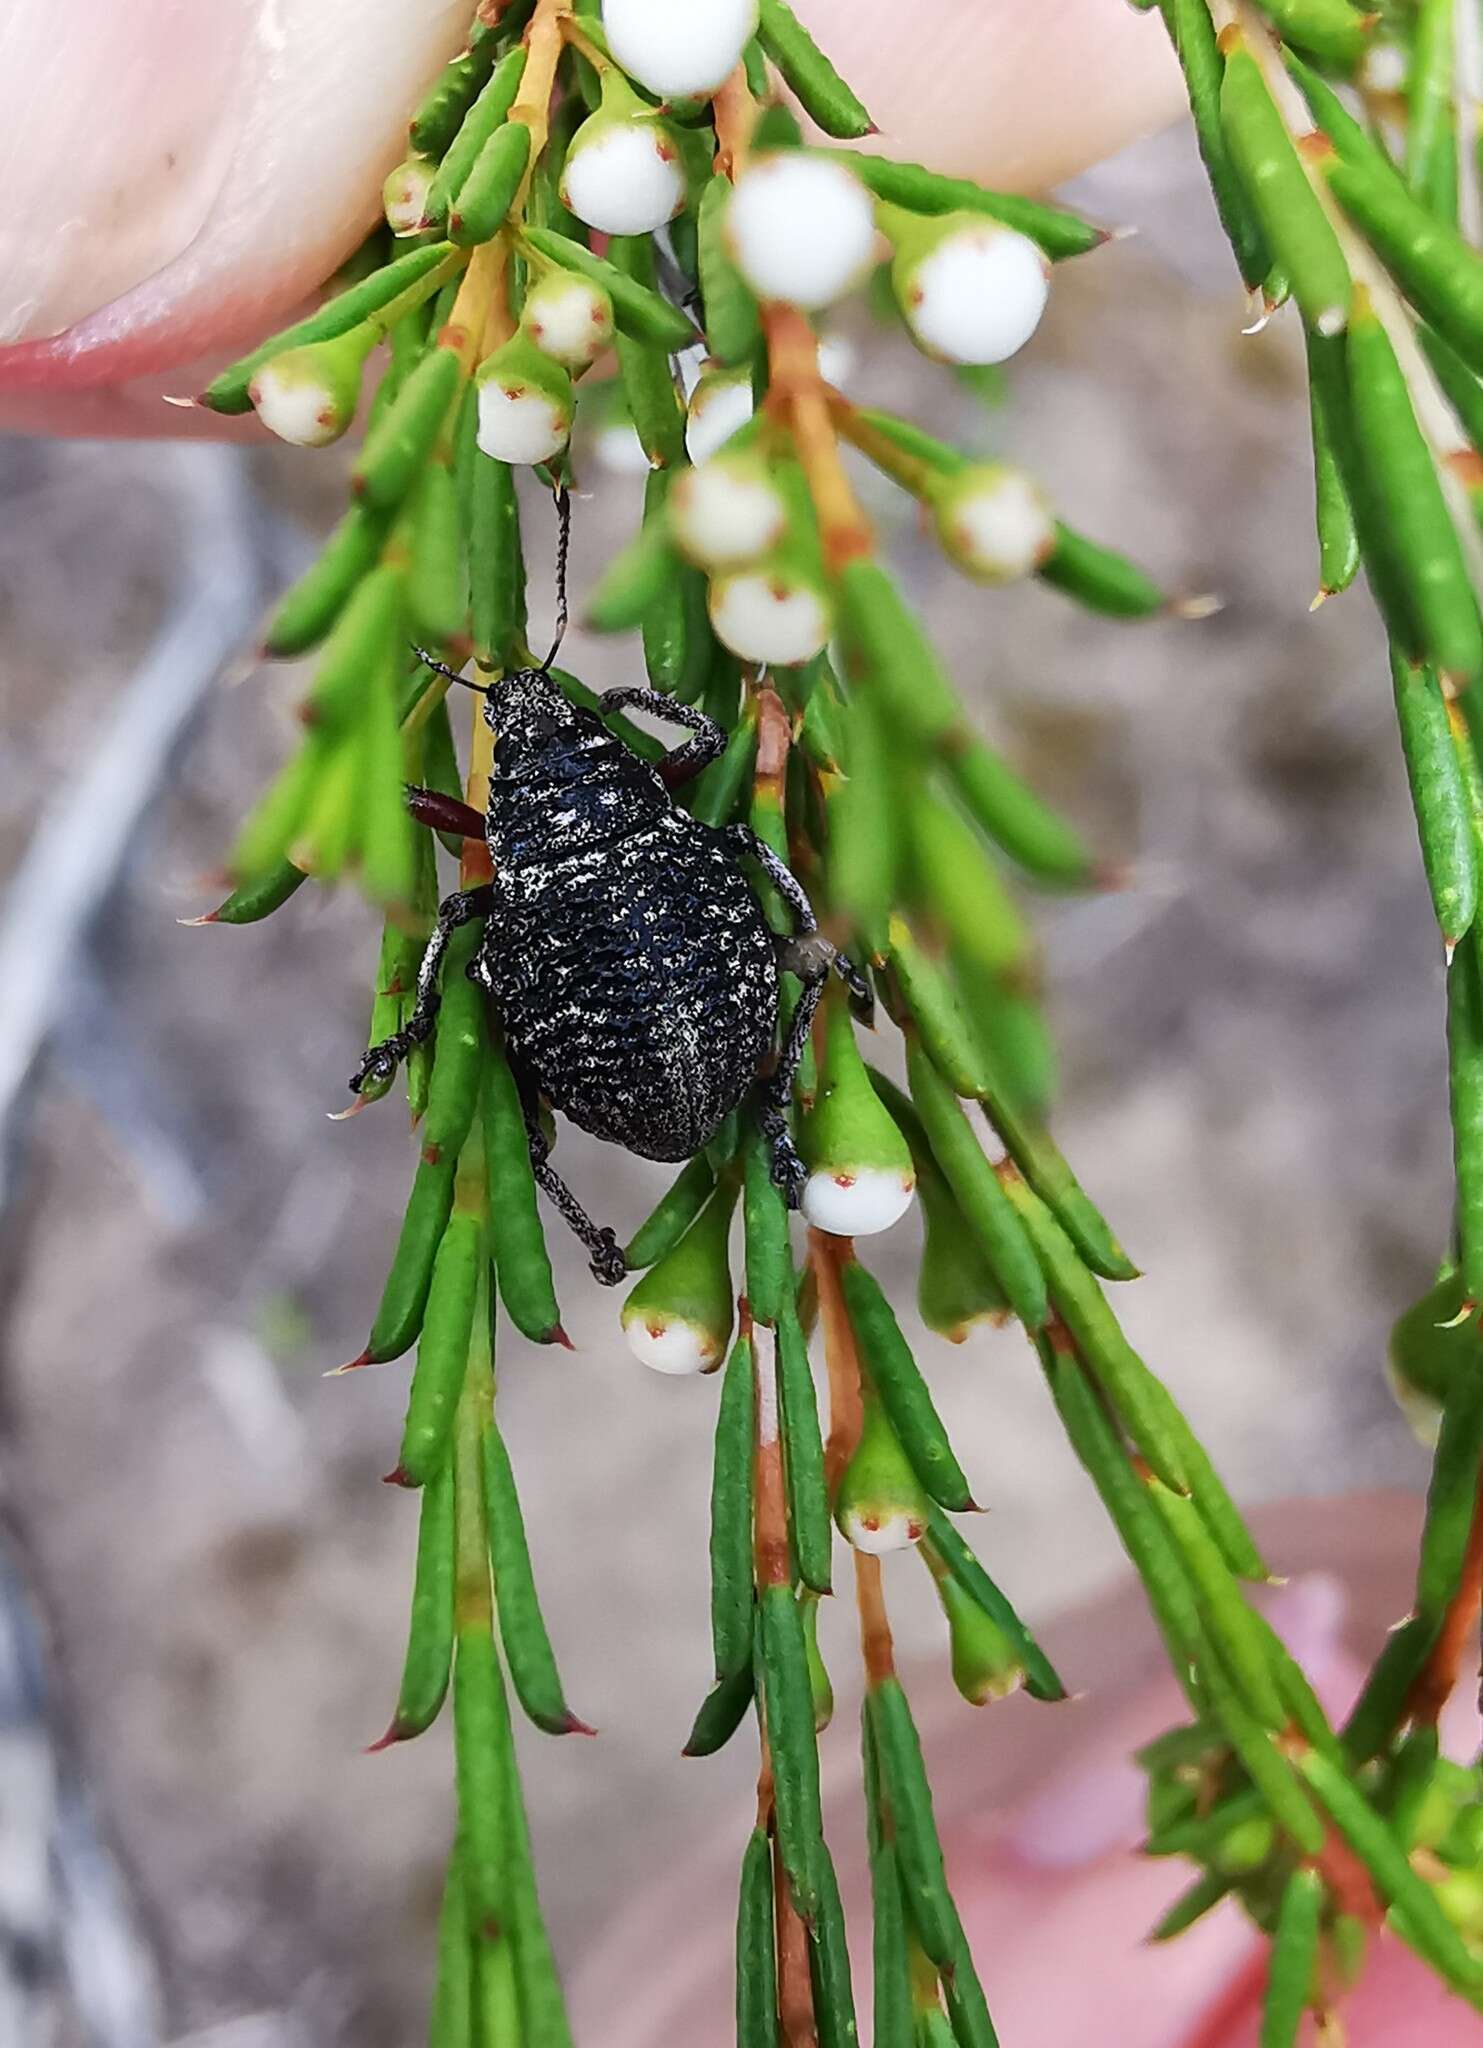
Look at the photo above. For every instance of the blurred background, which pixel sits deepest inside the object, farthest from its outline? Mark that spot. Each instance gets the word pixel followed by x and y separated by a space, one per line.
pixel 203 1584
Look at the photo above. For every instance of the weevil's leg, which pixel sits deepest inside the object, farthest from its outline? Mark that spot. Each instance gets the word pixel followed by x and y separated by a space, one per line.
pixel 682 762
pixel 603 1251
pixel 381 1061
pixel 808 954
pixel 788 1170
pixel 443 813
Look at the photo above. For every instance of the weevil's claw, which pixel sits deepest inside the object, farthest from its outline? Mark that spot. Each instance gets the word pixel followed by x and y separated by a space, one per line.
pixel 862 995
pixel 379 1064
pixel 608 1263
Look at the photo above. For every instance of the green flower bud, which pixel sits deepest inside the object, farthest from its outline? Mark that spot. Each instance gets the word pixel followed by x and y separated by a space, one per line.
pixel 404 194
pixel 994 521
pixel 1246 1848
pixel 955 1288
pixel 526 403
pixel 861 1178
pixel 308 395
pixel 569 318
pixel 1428 1351
pixel 986 1663
pixel 1460 1896
pixel 880 1505
pixel 678 1318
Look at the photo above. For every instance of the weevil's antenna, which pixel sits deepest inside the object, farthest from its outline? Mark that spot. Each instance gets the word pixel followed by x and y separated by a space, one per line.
pixel 441 668
pixel 563 544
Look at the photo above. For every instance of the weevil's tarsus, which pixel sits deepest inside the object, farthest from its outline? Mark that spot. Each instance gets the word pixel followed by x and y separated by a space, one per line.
pixel 381 1061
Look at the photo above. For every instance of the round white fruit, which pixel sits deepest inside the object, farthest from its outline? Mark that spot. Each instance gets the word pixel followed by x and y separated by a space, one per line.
pixel 996 522
pixel 520 423
pixel 298 397
pixel 977 296
pixel 767 615
pixel 569 318
pixel 800 228
pixel 675 1347
pixel 879 1530
pixel 679 46
pixel 720 403
pixel 857 1204
pixel 404 195
pixel 726 512
pixel 624 178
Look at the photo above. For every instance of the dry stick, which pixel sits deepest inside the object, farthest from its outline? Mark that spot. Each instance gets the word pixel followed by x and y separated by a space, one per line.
pixel 1433 1685
pixel 846 1413
pixel 795 1986
pixel 543 43
pixel 877 1648
pixel 827 1254
pixel 798 397
pixel 735 114
pixel 771 1557
pixel 774 737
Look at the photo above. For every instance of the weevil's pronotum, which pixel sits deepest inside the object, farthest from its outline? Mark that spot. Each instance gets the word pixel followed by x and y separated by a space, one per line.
pixel 634 975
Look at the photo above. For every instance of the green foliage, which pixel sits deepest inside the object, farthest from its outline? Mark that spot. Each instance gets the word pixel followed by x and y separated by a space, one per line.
pixel 850 752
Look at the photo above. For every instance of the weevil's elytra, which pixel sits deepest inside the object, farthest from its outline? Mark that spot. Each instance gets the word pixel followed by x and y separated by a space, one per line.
pixel 634 975
pixel 633 971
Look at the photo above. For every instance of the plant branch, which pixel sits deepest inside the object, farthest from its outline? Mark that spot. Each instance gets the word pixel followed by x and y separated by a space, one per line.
pixel 1434 1684
pixel 795 1987
pixel 840 1356
pixel 798 397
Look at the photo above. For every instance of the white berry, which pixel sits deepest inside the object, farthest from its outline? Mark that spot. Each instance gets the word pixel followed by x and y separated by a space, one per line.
pixel 404 195
pixel 520 423
pixel 671 1345
pixel 720 403
pixel 996 522
pixel 726 512
pixel 766 615
pixel 569 318
pixel 624 178
pixel 308 395
pixel 857 1204
pixel 977 296
pixel 879 1530
pixel 800 228
pixel 679 46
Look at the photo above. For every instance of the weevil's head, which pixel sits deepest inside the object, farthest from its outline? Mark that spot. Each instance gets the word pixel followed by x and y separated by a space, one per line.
pixel 527 710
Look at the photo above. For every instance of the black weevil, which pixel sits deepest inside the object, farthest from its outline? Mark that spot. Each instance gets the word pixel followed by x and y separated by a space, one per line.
pixel 634 975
